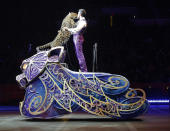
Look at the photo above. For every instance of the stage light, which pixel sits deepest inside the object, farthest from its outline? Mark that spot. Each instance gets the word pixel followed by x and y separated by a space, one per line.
pixel 111 21
pixel 158 101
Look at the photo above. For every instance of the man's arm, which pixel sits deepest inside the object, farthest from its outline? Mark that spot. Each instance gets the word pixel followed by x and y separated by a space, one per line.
pixel 80 26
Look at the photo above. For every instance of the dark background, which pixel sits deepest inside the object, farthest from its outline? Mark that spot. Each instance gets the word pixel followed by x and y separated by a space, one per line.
pixel 135 44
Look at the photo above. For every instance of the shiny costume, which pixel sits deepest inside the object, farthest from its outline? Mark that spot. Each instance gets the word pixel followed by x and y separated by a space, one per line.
pixel 78 40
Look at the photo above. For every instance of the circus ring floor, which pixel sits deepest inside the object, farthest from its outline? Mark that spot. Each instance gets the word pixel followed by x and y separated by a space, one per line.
pixel 156 119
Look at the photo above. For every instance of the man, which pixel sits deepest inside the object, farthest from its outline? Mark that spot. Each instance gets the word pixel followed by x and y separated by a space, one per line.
pixel 78 38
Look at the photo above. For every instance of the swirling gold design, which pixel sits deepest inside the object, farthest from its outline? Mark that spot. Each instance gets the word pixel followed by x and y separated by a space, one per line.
pixel 115 107
pixel 74 87
pixel 39 103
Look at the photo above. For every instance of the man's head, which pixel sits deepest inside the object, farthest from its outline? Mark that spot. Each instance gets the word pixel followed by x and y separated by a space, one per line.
pixel 82 13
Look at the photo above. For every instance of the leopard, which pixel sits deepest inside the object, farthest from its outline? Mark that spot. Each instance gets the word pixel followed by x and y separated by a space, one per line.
pixel 63 36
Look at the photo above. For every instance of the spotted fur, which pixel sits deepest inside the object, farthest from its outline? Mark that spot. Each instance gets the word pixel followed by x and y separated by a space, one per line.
pixel 63 35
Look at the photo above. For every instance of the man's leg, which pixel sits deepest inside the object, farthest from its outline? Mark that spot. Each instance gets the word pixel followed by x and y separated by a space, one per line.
pixel 80 56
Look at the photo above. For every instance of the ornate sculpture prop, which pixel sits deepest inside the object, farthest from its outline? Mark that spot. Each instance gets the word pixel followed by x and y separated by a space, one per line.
pixel 53 90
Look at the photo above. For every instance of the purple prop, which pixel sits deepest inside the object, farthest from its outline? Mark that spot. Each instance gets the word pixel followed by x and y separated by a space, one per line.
pixel 36 64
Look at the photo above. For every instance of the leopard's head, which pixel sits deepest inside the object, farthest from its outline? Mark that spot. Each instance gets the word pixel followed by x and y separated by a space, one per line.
pixel 72 15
